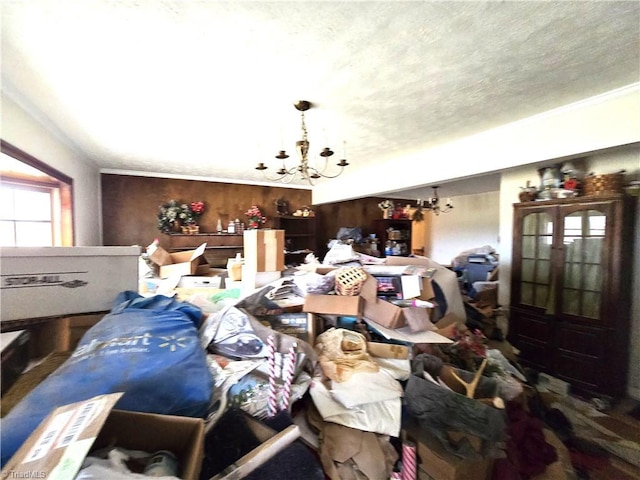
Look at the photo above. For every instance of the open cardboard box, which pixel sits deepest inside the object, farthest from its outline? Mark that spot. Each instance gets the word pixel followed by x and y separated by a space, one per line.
pixel 333 304
pixel 316 305
pixel 368 304
pixel 393 316
pixel 347 305
pixel 62 441
pixel 177 264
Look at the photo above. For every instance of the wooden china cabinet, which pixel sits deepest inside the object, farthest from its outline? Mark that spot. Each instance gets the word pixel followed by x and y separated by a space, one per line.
pixel 571 290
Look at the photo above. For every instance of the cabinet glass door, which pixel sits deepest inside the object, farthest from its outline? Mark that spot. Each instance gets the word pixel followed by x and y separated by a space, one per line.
pixel 537 239
pixel 583 240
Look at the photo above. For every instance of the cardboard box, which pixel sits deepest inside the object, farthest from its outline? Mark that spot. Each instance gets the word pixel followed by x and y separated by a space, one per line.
pixel 388 350
pixel 59 334
pixel 263 250
pixel 386 313
pixel 177 264
pixel 14 358
pixel 368 304
pixel 51 281
pixel 70 432
pixel 333 304
pixel 440 464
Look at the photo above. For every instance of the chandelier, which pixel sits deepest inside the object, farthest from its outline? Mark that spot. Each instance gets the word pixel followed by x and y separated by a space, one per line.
pixel 433 203
pixel 303 169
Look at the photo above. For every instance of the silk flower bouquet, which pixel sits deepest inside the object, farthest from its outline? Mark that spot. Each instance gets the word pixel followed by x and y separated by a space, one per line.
pixel 255 218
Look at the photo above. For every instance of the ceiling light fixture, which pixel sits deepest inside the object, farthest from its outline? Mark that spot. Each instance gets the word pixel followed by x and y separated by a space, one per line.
pixel 433 203
pixel 303 169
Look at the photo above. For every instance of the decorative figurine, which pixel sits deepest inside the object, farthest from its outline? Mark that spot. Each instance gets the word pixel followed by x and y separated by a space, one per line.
pixel 282 206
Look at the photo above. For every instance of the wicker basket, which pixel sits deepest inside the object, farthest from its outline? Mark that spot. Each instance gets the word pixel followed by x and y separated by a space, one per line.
pixel 603 184
pixel 349 281
pixel 190 229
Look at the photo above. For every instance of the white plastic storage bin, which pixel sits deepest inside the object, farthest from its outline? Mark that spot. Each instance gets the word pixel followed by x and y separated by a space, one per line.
pixel 49 281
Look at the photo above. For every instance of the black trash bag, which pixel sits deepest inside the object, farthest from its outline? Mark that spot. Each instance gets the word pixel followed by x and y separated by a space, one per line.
pixel 349 233
pixel 231 438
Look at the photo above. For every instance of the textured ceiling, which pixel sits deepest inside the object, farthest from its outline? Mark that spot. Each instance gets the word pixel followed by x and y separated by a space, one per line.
pixel 206 88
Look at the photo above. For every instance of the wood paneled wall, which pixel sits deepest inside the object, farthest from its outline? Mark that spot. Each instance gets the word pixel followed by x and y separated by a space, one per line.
pixel 130 204
pixel 351 213
pixel 130 207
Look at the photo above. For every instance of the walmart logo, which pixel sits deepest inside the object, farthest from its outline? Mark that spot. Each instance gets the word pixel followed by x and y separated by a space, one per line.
pixel 172 343
pixel 133 344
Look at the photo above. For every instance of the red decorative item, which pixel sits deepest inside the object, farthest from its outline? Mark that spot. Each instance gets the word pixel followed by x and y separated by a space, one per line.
pixel 197 207
pixel 255 217
pixel 398 212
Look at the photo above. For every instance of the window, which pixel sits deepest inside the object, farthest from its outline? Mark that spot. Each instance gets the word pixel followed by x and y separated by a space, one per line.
pixel 35 202
pixel 25 216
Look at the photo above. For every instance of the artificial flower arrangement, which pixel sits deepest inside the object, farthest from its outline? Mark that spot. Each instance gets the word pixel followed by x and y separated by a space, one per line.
pixel 174 214
pixel 196 209
pixel 254 217
pixel 468 349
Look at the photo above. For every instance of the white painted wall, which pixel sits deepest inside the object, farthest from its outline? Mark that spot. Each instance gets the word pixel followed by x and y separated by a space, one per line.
pixel 473 222
pixel 623 158
pixel 24 132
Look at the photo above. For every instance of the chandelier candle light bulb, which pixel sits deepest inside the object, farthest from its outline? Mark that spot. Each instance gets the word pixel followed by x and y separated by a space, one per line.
pixel 433 203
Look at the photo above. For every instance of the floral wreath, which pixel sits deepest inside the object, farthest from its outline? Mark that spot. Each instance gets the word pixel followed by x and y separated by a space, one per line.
pixel 174 212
